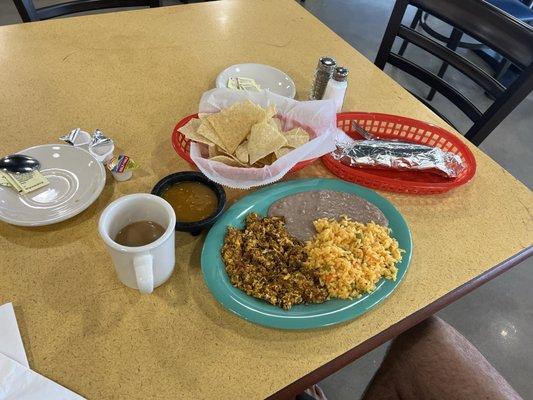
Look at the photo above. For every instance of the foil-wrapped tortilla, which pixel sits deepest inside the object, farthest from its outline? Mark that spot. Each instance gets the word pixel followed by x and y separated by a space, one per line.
pixel 400 156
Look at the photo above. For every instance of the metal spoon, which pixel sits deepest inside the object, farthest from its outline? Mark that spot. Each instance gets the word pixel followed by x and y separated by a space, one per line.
pixel 19 163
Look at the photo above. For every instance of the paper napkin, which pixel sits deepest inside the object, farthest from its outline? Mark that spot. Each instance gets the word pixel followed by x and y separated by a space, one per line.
pixel 10 340
pixel 20 383
pixel 17 381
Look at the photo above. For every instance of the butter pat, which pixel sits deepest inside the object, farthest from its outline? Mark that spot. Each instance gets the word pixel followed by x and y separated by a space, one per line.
pixel 238 83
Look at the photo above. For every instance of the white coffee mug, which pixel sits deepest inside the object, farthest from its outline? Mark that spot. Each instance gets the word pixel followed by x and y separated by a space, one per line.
pixel 143 267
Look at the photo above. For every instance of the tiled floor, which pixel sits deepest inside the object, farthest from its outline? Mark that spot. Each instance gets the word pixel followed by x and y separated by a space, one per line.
pixel 497 318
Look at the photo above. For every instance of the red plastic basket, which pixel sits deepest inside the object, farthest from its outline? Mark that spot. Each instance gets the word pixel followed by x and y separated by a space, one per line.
pixel 182 145
pixel 408 130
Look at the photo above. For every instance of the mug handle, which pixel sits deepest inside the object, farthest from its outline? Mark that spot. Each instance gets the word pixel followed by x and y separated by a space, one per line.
pixel 144 272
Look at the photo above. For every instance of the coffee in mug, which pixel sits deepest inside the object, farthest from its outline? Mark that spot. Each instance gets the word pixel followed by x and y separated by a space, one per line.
pixel 139 233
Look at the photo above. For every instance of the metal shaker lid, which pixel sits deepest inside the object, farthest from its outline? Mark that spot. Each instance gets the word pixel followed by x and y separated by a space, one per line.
pixel 326 64
pixel 340 74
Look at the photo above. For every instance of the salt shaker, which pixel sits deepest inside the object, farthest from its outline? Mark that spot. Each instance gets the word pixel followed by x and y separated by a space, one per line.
pixel 336 87
pixel 323 73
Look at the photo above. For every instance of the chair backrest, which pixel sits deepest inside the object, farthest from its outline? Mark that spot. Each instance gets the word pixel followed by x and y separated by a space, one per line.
pixel 489 25
pixel 29 13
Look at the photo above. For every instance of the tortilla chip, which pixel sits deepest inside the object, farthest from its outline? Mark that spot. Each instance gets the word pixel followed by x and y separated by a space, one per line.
pixel 267 160
pixel 190 131
pixel 206 130
pixel 282 151
pixel 221 152
pixel 276 123
pixel 270 111
pixel 226 160
pixel 213 150
pixel 200 139
pixel 241 152
pixel 296 137
pixel 191 127
pixel 233 124
pixel 264 139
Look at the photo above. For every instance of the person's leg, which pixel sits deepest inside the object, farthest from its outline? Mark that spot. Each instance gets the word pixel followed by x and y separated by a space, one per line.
pixel 432 361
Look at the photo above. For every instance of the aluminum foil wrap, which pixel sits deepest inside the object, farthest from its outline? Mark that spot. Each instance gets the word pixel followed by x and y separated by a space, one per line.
pixel 72 137
pixel 400 156
pixel 99 139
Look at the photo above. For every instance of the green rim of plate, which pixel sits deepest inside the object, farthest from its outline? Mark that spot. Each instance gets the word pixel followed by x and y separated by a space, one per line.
pixel 300 316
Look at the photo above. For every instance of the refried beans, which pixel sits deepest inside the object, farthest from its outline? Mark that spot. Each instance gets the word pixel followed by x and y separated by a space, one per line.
pixel 302 209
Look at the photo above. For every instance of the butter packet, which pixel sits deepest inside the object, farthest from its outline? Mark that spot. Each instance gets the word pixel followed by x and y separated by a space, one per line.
pixel 121 164
pixel 122 167
pixel 24 183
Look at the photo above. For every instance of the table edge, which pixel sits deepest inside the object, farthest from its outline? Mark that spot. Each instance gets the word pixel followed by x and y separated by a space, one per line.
pixel 341 361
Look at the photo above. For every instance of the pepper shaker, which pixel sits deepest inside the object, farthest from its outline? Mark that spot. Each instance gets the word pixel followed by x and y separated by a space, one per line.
pixel 323 73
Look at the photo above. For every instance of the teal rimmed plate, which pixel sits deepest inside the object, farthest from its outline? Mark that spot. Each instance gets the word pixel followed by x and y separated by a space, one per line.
pixel 301 316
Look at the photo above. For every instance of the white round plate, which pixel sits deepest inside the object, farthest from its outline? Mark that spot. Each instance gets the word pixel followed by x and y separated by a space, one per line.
pixel 266 76
pixel 76 180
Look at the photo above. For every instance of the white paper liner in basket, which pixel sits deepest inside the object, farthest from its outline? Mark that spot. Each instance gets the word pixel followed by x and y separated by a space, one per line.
pixel 320 116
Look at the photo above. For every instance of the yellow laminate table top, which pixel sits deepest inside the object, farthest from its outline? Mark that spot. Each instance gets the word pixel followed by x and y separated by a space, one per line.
pixel 134 75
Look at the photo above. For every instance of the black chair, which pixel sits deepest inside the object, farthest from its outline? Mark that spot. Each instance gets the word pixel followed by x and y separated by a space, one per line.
pixel 29 13
pixel 487 24
pixel 500 65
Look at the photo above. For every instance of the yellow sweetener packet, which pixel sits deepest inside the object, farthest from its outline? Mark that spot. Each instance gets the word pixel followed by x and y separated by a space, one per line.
pixel 3 179
pixel 27 182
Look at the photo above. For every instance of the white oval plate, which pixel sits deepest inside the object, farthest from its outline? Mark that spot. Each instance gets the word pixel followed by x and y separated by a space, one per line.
pixel 266 76
pixel 76 180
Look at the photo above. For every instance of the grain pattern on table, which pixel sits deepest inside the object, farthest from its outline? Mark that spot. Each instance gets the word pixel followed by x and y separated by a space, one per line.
pixel 134 75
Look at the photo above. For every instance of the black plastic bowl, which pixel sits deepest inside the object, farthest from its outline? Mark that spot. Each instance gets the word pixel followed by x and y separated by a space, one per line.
pixel 194 228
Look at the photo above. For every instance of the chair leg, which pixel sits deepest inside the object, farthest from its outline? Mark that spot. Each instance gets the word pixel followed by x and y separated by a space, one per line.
pixel 502 69
pixel 455 39
pixel 414 24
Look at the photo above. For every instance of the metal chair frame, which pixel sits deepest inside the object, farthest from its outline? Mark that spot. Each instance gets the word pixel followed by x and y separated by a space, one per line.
pixel 29 13
pixel 485 23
